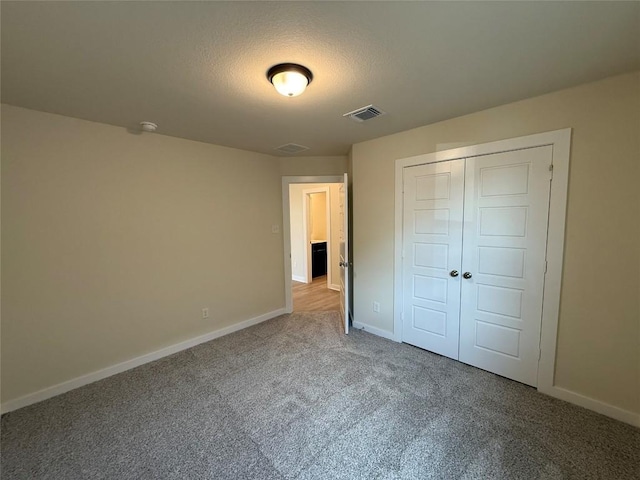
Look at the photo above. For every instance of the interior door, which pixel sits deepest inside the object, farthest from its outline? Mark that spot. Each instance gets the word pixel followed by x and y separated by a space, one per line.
pixel 505 230
pixel 345 276
pixel 432 251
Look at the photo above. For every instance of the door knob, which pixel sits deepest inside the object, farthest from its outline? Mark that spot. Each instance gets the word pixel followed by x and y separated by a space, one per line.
pixel 467 275
pixel 453 273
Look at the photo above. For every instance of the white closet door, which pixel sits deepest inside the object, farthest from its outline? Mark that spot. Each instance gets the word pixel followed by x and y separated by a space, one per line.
pixel 505 231
pixel 432 249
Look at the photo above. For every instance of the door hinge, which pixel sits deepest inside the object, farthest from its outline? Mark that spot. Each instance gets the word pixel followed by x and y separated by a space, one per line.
pixel 402 316
pixel 551 172
pixel 539 354
pixel 546 265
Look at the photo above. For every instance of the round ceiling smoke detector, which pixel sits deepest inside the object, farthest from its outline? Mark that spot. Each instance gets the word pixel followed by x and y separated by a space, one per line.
pixel 148 126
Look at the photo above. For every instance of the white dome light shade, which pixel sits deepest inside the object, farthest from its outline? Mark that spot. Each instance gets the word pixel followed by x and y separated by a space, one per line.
pixel 289 79
pixel 290 84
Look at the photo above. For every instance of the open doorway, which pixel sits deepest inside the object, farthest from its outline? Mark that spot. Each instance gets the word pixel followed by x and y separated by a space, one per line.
pixel 293 253
pixel 314 239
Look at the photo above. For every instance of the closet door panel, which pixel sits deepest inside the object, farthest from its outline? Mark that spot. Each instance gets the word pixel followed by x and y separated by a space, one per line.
pixel 432 248
pixel 504 247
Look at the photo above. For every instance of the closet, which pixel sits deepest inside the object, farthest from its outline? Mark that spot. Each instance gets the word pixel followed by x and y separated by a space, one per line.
pixel 474 236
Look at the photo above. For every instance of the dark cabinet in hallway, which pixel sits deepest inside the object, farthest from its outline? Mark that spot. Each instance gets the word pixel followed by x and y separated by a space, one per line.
pixel 318 259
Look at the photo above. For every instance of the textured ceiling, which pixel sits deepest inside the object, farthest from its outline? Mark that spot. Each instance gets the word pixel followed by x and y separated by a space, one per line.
pixel 197 69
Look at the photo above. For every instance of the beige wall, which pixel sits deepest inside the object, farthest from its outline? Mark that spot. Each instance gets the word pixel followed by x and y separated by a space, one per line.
pixel 599 331
pixel 297 239
pixel 292 166
pixel 318 216
pixel 113 242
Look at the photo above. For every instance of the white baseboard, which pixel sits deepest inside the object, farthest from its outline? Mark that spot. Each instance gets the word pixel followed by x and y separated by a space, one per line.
pixel 334 287
pixel 617 413
pixel 298 278
pixel 376 331
pixel 77 382
pixel 589 403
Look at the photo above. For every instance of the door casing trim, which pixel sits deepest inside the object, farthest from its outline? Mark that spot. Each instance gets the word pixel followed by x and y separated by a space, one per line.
pixel 305 232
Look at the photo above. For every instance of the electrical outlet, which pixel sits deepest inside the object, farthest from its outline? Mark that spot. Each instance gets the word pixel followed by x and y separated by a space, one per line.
pixel 275 228
pixel 205 312
pixel 376 307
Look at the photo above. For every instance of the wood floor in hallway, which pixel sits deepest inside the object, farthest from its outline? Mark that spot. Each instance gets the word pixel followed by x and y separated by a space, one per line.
pixel 314 296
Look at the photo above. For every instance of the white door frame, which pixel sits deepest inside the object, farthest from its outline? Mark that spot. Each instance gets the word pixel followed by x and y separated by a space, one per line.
pixel 561 141
pixel 286 226
pixel 305 231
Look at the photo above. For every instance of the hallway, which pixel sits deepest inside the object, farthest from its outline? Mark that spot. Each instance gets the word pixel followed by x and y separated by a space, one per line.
pixel 314 296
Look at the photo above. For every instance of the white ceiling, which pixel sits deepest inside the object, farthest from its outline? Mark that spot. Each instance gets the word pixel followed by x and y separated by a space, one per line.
pixel 198 68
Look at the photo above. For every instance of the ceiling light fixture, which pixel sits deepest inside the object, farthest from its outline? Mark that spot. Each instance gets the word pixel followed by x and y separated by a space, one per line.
pixel 289 79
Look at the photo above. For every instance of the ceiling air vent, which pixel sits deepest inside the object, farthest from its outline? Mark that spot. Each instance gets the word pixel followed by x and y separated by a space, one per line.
pixel 291 148
pixel 364 113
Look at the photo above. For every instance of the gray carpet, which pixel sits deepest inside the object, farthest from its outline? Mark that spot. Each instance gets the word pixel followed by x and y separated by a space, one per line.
pixel 294 398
